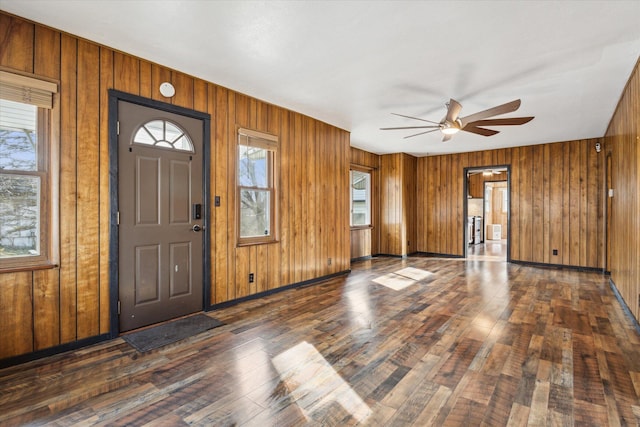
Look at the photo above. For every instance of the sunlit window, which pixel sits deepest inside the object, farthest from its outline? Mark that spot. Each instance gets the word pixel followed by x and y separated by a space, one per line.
pixel 26 205
pixel 360 198
pixel 256 162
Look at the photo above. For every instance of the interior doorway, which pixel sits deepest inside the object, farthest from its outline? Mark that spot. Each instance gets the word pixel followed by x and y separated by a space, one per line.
pixel 486 213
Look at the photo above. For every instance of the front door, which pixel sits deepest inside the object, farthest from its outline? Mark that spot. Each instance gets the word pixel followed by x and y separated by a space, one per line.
pixel 160 190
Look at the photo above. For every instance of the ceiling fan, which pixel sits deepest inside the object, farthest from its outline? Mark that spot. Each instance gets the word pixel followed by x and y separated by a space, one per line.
pixel 474 123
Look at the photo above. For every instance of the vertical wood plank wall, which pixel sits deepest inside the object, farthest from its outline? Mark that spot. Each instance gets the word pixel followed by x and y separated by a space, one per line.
pixel 397 204
pixel 365 241
pixel 556 202
pixel 623 145
pixel 41 309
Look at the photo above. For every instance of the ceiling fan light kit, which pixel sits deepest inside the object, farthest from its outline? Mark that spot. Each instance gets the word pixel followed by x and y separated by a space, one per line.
pixel 474 123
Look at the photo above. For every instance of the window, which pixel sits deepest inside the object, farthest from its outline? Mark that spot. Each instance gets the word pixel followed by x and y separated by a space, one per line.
pixel 256 198
pixel 360 198
pixel 26 232
pixel 164 134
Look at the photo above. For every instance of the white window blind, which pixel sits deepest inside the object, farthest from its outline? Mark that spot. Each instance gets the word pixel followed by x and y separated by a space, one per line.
pixel 28 90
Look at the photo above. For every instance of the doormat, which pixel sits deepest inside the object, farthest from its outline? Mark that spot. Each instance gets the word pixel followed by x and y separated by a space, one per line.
pixel 170 332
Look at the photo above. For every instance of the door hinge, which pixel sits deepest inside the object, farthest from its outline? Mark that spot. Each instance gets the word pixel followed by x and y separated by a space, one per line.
pixel 118 127
pixel 118 218
pixel 118 308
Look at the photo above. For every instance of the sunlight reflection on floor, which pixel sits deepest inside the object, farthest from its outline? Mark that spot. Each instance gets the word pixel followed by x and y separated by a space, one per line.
pixel 402 279
pixel 313 383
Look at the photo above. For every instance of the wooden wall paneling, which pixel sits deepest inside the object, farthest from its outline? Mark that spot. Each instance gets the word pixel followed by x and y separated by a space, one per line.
pixel 126 73
pixel 16 316
pixel 46 308
pixel 445 203
pixel 230 159
pixel 220 171
pixel 514 207
pixel 68 190
pixel 583 226
pixel 46 59
pixel 88 167
pixel 421 202
pixel 146 85
pixel 546 200
pixel 437 208
pixel 16 43
pixel 574 203
pixel 428 202
pixel 537 192
pixel 201 98
pixel 457 197
pixel 566 205
pixel 592 205
pixel 274 127
pixel 242 269
pixel 284 216
pixel 342 214
pixel 253 268
pixel 310 263
pixel 556 168
pixel 183 83
pixel 297 190
pixel 159 75
pixel 526 196
pixel 106 83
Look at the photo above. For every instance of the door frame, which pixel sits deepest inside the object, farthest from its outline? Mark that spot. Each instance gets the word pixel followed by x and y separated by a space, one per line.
pixel 114 97
pixel 465 214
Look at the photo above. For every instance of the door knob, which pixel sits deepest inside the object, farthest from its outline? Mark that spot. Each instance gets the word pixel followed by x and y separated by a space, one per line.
pixel 196 228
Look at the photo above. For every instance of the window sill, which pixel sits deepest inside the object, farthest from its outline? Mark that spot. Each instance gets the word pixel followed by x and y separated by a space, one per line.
pixel 256 243
pixel 361 227
pixel 22 268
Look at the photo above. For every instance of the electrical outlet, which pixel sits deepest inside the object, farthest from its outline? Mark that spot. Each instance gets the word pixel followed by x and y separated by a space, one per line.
pixel 328 261
pixel 555 252
pixel 251 277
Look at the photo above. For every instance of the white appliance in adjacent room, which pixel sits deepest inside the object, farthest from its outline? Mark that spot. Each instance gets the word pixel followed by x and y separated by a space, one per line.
pixel 470 232
pixel 494 231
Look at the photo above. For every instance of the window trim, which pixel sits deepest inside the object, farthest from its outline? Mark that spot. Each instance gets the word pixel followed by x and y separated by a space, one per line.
pixel 43 94
pixel 269 142
pixel 369 197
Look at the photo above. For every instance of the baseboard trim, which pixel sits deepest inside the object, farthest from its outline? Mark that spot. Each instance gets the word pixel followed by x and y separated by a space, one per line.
pixel 362 258
pixel 436 255
pixel 556 266
pixel 624 306
pixel 52 351
pixel 309 282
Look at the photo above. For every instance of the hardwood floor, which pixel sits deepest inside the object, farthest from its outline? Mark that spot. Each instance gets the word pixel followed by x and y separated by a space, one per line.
pixel 489 250
pixel 420 341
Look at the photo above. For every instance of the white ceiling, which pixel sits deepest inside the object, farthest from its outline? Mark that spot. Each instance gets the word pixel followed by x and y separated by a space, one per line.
pixel 352 63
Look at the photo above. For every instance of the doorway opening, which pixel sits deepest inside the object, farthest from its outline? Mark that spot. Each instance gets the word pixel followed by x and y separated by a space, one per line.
pixel 486 213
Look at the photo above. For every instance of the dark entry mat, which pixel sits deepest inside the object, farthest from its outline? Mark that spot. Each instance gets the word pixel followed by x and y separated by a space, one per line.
pixel 170 332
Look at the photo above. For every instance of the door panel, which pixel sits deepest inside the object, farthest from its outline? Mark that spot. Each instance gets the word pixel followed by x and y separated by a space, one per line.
pixel 160 256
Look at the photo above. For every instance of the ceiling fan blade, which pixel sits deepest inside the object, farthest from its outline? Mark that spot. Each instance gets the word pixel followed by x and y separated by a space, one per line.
pixel 453 110
pixel 415 118
pixel 495 111
pixel 501 122
pixel 411 127
pixel 480 131
pixel 421 133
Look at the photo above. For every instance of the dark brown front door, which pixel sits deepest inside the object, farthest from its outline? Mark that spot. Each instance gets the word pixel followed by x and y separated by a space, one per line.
pixel 160 215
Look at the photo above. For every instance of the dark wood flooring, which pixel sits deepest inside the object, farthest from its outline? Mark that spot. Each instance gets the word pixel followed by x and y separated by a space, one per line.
pixel 421 341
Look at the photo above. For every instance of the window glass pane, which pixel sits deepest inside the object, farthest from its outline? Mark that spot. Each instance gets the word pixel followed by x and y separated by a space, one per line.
pixel 252 167
pixel 18 136
pixel 254 213
pixel 161 133
pixel 360 198
pixel 156 128
pixel 19 215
